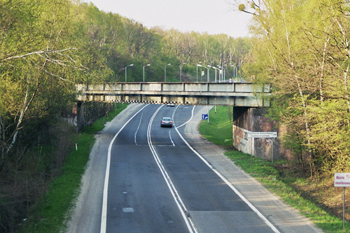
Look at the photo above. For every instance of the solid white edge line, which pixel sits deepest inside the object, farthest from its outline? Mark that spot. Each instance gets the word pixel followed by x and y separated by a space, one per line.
pixel 230 185
pixel 105 189
pixel 173 191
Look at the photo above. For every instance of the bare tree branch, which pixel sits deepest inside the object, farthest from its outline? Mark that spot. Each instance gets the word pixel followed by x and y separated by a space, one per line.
pixel 36 52
pixel 53 75
pixel 58 62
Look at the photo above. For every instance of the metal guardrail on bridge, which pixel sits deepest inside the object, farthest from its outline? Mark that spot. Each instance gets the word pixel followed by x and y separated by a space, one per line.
pixel 234 94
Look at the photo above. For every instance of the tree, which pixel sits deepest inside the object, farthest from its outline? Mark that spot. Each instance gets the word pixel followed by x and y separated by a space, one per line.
pixel 306 44
pixel 37 56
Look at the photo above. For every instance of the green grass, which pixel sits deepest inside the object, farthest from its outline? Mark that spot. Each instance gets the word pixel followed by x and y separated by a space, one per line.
pixel 219 129
pixel 266 173
pixel 51 212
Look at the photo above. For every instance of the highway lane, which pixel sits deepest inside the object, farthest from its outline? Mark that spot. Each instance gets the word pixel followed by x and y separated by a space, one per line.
pixel 158 184
pixel 138 197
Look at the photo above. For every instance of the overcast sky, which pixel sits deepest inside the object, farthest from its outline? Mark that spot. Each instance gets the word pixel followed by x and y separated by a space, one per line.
pixel 211 16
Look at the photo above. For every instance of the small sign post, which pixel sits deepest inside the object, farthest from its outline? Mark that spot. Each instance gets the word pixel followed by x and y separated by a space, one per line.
pixel 342 180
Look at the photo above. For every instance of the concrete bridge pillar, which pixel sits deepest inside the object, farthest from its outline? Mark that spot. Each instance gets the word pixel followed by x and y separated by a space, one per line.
pixel 250 120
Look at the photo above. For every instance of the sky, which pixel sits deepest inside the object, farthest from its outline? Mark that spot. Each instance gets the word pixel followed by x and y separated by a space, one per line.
pixel 211 16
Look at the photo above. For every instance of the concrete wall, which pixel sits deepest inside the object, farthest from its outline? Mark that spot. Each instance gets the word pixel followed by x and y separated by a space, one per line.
pixel 248 120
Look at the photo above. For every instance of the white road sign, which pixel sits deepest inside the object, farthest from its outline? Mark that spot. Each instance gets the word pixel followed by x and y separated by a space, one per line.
pixel 262 134
pixel 341 179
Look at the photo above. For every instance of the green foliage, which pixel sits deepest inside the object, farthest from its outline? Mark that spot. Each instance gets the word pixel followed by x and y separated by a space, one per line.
pixel 50 214
pixel 100 123
pixel 299 48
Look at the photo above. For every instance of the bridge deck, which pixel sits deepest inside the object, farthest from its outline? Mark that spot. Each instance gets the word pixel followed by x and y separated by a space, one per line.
pixel 234 94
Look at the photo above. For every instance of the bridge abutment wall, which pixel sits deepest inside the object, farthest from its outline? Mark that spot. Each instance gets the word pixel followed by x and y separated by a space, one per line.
pixel 89 112
pixel 252 120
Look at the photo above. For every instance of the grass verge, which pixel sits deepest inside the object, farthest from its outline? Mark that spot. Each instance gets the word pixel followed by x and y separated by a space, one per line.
pixel 51 212
pixel 271 175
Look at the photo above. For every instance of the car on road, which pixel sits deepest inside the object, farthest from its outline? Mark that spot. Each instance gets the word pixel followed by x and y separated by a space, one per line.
pixel 166 122
pixel 170 105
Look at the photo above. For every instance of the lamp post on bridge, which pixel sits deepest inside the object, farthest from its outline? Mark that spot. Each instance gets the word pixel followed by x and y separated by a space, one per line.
pixel 181 70
pixel 165 71
pixel 233 70
pixel 222 72
pixel 143 72
pixel 126 70
pixel 215 72
pixel 197 70
pixel 207 71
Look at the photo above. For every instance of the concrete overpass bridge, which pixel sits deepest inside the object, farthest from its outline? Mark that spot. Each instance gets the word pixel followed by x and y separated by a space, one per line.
pixel 231 94
pixel 249 101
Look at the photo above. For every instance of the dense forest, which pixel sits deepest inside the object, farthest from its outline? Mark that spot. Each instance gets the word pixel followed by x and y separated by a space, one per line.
pixel 49 46
pixel 302 48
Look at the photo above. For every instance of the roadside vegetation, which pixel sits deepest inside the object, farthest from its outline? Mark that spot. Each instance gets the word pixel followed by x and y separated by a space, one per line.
pixel 50 212
pixel 316 198
pixel 302 49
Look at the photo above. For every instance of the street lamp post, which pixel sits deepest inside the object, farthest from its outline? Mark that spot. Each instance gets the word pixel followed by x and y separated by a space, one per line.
pixel 215 72
pixel 220 72
pixel 126 70
pixel 165 71
pixel 233 70
pixel 208 74
pixel 207 71
pixel 197 72
pixel 181 70
pixel 224 73
pixel 144 72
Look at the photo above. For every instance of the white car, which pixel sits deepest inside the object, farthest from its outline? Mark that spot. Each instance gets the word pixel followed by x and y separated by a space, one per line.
pixel 166 122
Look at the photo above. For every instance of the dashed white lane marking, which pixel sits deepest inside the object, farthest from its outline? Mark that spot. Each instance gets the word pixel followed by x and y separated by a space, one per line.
pixel 128 210
pixel 105 189
pixel 173 191
pixel 189 119
pixel 137 130
pixel 171 139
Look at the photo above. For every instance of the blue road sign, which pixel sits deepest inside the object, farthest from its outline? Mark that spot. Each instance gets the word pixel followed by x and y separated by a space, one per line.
pixel 204 116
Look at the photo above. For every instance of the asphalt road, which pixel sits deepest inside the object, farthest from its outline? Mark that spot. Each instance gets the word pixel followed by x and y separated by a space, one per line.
pixel 158 184
pixel 144 178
